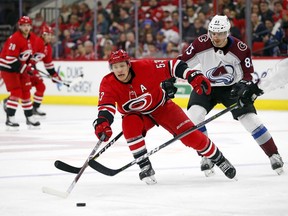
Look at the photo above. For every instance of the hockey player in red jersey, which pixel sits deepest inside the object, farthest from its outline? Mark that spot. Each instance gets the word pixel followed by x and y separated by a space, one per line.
pixel 226 62
pixel 135 87
pixel 14 70
pixel 42 51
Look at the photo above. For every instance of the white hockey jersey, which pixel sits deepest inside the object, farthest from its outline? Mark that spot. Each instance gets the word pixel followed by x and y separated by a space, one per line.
pixel 222 66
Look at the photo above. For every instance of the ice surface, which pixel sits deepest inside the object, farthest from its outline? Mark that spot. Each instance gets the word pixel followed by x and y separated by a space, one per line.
pixel 27 158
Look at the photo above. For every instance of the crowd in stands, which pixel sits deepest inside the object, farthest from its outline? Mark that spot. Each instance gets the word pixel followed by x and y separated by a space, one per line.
pixel 158 27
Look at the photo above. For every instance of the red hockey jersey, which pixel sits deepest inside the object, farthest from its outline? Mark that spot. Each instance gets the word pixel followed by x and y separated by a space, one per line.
pixel 143 94
pixel 16 51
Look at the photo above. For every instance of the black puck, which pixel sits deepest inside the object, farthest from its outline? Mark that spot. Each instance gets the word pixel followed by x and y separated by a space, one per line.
pixel 80 204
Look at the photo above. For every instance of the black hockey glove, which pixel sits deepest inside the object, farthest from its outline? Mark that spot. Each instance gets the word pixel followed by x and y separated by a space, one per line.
pixel 169 88
pixel 246 92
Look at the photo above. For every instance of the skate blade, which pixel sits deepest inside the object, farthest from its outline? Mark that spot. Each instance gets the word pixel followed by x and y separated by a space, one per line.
pixel 149 180
pixel 31 127
pixel 9 128
pixel 209 173
pixel 279 170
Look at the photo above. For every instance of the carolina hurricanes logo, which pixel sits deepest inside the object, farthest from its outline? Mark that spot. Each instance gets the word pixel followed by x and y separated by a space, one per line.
pixel 38 56
pixel 203 38
pixel 141 103
pixel 25 55
pixel 242 46
pixel 221 74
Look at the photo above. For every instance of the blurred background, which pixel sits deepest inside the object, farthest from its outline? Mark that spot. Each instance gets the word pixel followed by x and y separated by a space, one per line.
pixel 91 29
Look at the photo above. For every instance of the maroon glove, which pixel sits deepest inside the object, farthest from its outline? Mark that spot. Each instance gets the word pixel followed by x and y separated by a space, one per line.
pixel 199 82
pixel 102 126
pixel 56 78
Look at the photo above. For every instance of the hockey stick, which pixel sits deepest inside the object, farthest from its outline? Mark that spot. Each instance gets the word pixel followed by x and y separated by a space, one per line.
pixel 111 172
pixel 64 82
pixel 52 191
pixel 72 169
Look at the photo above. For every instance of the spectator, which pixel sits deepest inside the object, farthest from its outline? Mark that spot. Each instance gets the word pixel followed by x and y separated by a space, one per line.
pixel 155 10
pixel 161 45
pixel 38 23
pixel 187 30
pixel 130 46
pixel 265 12
pixel 120 44
pixel 198 29
pixel 64 12
pixel 88 32
pixel 102 24
pixel 171 32
pixel 258 29
pixel 272 39
pixel 190 12
pixel 89 50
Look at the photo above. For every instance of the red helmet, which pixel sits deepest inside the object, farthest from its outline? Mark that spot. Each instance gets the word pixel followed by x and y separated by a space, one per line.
pixel 25 20
pixel 46 30
pixel 118 56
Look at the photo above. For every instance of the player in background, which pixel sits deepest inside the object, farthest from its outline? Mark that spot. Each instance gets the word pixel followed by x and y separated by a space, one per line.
pixel 135 87
pixel 14 66
pixel 42 51
pixel 226 62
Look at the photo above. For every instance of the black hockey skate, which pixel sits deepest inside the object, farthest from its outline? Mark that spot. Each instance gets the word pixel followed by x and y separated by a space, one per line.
pixel 227 168
pixel 10 122
pixel 38 112
pixel 147 175
pixel 31 122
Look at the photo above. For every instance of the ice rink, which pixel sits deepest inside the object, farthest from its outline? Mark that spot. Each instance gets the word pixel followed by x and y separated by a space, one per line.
pixel 27 164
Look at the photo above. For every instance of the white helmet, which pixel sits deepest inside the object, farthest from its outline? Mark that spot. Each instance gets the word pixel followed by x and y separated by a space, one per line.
pixel 219 24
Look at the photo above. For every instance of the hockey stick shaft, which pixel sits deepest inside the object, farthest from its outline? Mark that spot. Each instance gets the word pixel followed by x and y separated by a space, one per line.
pixel 68 84
pixel 111 172
pixel 77 177
pixel 72 169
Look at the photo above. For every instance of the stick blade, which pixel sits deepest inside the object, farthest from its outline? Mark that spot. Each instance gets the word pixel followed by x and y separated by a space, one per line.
pixel 102 169
pixel 66 167
pixel 54 192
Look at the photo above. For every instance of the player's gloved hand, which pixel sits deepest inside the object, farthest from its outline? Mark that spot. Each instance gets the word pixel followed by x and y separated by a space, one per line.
pixel 102 126
pixel 246 92
pixel 27 68
pixel 199 82
pixel 56 78
pixel 169 88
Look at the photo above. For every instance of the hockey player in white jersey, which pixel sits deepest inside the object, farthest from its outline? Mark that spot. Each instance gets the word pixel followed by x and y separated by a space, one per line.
pixel 226 62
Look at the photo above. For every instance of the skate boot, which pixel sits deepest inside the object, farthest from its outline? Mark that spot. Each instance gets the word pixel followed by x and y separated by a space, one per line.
pixel 32 123
pixel 147 175
pixel 277 163
pixel 207 167
pixel 227 168
pixel 11 124
pixel 38 111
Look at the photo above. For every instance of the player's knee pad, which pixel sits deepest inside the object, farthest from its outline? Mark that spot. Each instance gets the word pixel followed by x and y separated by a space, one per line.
pixel 133 126
pixel 197 114
pixel 16 94
pixel 250 121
